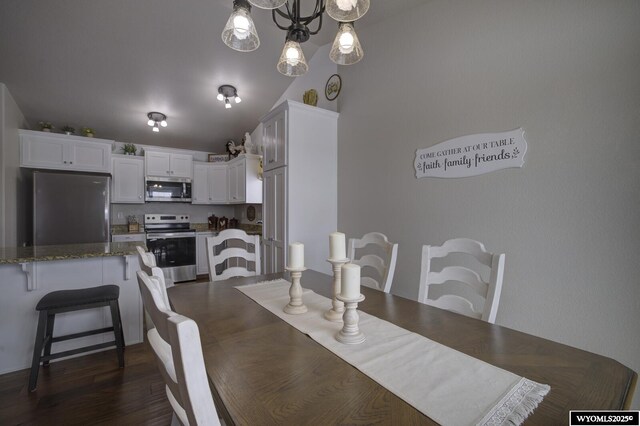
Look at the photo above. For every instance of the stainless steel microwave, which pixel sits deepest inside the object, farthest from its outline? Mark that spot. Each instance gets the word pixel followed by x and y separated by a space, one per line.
pixel 177 190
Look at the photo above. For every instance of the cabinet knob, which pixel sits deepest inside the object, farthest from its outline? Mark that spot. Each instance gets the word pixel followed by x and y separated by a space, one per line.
pixel 70 162
pixel 140 197
pixel 65 162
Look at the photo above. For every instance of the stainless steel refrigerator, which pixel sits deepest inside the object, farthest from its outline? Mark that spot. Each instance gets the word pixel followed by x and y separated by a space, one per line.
pixel 70 208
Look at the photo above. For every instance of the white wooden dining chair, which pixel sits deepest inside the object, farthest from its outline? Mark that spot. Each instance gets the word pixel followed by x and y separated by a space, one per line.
pixel 222 250
pixel 459 288
pixel 178 351
pixel 384 268
pixel 148 265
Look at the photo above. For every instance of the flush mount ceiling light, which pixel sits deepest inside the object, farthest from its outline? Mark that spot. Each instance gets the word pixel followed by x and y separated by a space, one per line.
pixel 292 61
pixel 225 92
pixel 156 119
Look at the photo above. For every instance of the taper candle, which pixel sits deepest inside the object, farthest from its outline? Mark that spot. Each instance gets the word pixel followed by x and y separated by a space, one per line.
pixel 336 246
pixel 296 255
pixel 350 286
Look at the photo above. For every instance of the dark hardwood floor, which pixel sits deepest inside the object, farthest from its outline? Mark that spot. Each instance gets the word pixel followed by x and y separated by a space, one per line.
pixel 87 390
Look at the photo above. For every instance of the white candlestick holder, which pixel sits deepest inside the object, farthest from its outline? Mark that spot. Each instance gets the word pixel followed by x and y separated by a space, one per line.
pixel 295 306
pixel 350 333
pixel 335 313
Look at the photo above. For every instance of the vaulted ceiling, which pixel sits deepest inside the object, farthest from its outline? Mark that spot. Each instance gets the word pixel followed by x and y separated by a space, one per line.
pixel 105 64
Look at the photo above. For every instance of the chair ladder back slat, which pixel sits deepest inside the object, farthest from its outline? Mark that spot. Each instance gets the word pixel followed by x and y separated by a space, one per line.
pixel 455 303
pixel 471 279
pixel 463 245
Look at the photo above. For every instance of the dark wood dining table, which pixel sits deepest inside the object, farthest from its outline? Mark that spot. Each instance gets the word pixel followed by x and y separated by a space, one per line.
pixel 264 371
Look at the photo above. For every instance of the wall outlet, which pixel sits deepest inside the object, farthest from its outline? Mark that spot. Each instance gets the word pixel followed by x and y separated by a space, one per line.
pixel 120 215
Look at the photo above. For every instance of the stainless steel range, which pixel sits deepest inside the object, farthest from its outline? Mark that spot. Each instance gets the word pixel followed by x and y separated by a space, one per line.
pixel 173 243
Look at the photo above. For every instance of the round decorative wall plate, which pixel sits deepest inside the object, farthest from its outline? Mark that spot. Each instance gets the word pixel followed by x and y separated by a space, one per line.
pixel 332 89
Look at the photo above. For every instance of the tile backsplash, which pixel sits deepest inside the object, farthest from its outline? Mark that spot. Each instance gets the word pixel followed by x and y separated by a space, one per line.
pixel 198 213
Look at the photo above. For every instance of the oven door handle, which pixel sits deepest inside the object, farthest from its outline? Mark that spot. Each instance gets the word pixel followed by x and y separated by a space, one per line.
pixel 171 235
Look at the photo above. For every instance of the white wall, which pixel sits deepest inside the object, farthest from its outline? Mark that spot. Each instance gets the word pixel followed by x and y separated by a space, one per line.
pixel 569 221
pixel 13 226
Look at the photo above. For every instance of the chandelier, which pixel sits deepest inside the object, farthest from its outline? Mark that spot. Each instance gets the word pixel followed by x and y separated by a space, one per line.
pixel 240 32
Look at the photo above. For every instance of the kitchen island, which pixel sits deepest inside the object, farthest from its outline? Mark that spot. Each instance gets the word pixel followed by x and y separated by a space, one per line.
pixel 29 273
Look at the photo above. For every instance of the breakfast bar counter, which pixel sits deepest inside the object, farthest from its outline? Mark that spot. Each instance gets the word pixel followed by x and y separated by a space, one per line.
pixel 29 273
pixel 10 255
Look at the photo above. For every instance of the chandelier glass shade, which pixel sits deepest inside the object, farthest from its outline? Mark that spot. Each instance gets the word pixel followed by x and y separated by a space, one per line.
pixel 292 61
pixel 268 4
pixel 346 48
pixel 240 32
pixel 347 10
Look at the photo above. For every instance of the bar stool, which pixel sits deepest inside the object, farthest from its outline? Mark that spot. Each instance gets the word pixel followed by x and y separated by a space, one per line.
pixel 61 301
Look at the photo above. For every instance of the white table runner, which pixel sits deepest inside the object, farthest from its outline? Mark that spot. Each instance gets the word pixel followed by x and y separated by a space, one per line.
pixel 448 386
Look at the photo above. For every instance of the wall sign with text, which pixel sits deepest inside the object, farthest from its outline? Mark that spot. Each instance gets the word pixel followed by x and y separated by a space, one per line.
pixel 472 155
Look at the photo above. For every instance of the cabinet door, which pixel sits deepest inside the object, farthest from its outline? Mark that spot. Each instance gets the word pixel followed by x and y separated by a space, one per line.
pixel 122 238
pixel 218 184
pixel 127 184
pixel 36 152
pixel 157 163
pixel 237 182
pixel 200 193
pixel 90 156
pixel 274 215
pixel 232 181
pixel 274 140
pixel 181 165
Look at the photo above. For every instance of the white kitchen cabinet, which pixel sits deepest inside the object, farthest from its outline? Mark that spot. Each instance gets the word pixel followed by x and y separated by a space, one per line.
pixel 127 182
pixel 209 184
pixel 274 220
pixel 159 164
pixel 124 238
pixel 236 182
pixel 273 139
pixel 42 150
pixel 300 196
pixel 202 264
pixel 244 184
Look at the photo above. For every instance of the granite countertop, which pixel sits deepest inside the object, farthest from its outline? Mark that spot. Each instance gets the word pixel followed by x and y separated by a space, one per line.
pixel 10 255
pixel 250 229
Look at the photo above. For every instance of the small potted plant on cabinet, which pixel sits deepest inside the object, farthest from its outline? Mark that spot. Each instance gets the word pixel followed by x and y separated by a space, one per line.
pixel 45 126
pixel 87 132
pixel 68 130
pixel 129 149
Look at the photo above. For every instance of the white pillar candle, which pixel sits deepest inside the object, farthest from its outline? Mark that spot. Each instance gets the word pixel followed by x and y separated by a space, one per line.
pixel 350 286
pixel 296 255
pixel 336 246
